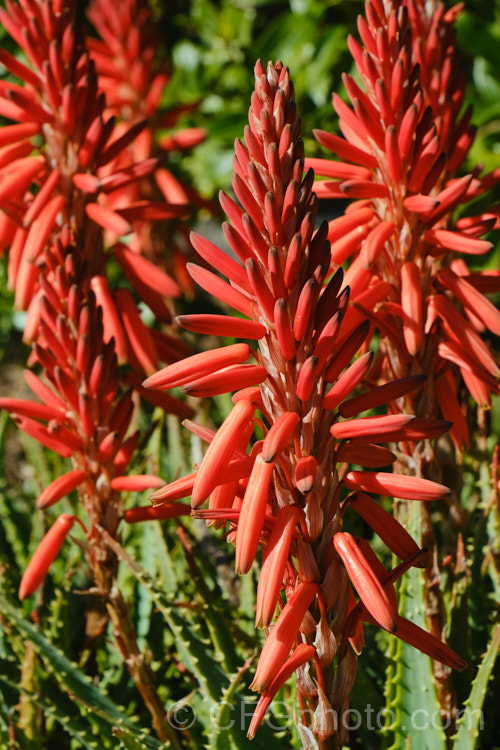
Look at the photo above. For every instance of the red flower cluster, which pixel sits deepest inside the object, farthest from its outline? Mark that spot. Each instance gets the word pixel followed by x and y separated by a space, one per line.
pixel 289 494
pixel 405 140
pixel 57 195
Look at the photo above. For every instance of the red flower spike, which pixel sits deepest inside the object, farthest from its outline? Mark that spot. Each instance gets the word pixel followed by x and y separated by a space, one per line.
pixel 311 336
pixel 365 581
pixel 46 553
pixel 285 631
pixel 413 156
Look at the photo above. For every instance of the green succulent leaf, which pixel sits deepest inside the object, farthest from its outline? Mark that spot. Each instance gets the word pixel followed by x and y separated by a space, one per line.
pixel 411 699
pixel 469 724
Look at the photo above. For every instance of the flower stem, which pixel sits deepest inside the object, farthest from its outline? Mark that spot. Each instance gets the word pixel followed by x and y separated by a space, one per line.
pixel 126 641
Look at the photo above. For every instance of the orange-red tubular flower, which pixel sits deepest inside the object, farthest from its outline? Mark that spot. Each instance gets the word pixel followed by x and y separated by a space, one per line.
pixel 60 487
pixel 220 452
pixel 46 553
pixel 284 633
pixel 274 563
pixel 197 366
pixel 280 279
pixel 150 513
pixel 384 524
pixel 302 654
pixel 398 485
pixel 252 513
pixel 365 581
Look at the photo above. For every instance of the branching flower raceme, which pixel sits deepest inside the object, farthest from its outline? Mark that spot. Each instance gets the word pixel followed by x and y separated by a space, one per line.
pixel 290 493
pixel 405 139
pixel 79 328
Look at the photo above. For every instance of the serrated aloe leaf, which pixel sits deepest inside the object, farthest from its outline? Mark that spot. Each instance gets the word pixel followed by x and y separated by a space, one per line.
pixel 74 681
pixel 247 603
pixel 412 704
pixel 225 651
pixel 143 597
pixel 176 452
pixel 191 646
pixel 227 730
pixel 14 535
pixel 61 709
pixel 90 728
pixel 127 741
pixel 163 562
pixel 469 724
pixel 220 695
